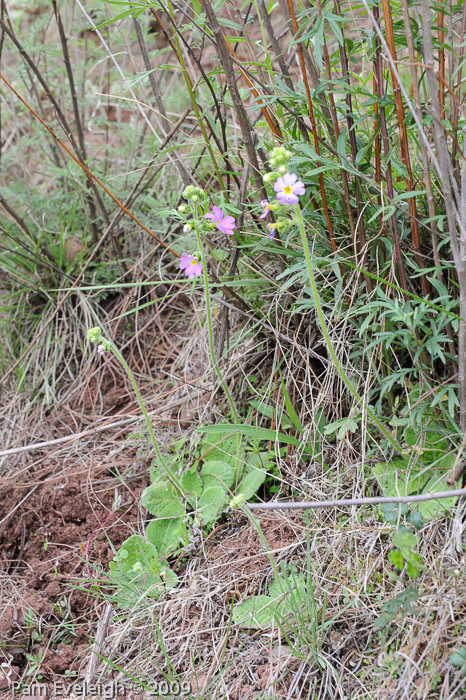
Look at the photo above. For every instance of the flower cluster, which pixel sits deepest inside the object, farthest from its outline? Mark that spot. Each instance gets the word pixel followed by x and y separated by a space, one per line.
pixel 265 207
pixel 191 264
pixel 94 335
pixel 287 188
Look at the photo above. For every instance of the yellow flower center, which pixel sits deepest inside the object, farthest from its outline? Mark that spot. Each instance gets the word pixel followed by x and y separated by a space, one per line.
pixel 218 222
pixel 287 190
pixel 194 262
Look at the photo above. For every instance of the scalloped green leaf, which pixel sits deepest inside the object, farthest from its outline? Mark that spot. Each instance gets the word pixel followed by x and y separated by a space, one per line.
pixel 160 500
pixel 292 591
pixel 192 485
pixel 166 534
pixel 225 451
pixel 136 550
pixel 217 473
pixel 458 658
pixel 210 503
pixel 258 612
pixel 138 572
pixel 398 478
pixel 251 483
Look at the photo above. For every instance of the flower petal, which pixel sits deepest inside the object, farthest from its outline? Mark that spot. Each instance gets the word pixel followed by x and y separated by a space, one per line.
pixel 290 179
pixel 279 185
pixel 228 222
pixel 185 261
pixel 298 188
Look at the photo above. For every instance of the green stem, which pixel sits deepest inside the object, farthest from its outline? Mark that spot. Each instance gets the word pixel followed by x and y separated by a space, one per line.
pixel 328 341
pixel 172 479
pixel 209 324
pixel 211 341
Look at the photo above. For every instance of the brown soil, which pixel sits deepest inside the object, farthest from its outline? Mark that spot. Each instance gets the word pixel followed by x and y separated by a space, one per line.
pixel 64 534
pixel 66 516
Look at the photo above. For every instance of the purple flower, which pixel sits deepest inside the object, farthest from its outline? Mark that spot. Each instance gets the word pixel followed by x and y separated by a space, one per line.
pixel 101 349
pixel 288 189
pixel 225 224
pixel 272 228
pixel 266 208
pixel 191 266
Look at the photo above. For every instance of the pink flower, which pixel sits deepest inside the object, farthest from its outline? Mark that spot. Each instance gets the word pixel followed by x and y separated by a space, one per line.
pixel 266 208
pixel 225 224
pixel 191 266
pixel 288 190
pixel 101 349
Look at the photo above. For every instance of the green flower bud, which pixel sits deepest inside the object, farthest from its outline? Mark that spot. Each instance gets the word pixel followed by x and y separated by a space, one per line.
pixel 193 194
pixel 94 335
pixel 280 157
pixel 237 501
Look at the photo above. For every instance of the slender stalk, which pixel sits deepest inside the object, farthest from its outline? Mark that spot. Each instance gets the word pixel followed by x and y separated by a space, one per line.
pixel 338 503
pixel 209 320
pixel 458 246
pixel 243 119
pixel 155 85
pixel 354 151
pixel 441 64
pixel 336 128
pixel 385 432
pixel 171 477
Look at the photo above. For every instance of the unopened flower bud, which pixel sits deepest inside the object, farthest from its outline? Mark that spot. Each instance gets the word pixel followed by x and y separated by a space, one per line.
pixel 182 208
pixel 186 228
pixel 94 335
pixel 237 501
pixel 282 170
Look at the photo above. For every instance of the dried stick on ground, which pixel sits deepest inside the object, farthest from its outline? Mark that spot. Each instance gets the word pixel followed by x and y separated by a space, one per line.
pixel 310 505
pixel 97 647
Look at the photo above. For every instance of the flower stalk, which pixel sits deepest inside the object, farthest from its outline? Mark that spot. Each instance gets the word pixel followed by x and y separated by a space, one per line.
pixel 94 335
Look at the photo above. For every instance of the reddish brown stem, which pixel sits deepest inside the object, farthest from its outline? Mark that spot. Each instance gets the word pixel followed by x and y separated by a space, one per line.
pixel 386 146
pixel 313 124
pixel 405 157
pixel 86 170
